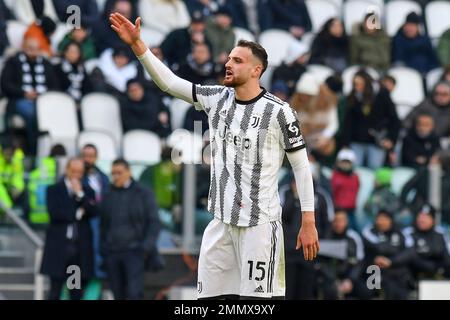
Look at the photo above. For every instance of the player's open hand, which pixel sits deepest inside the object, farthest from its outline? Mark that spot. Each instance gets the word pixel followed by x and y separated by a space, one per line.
pixel 308 239
pixel 127 31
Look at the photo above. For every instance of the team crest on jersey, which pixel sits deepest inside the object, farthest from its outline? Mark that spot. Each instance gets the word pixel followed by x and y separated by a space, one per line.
pixel 254 121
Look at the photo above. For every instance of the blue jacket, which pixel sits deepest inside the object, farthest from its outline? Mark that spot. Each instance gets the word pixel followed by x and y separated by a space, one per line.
pixel 417 53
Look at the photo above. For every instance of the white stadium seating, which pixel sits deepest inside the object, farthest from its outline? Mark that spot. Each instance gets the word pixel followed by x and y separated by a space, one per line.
pixel 101 112
pixel 141 146
pixel 396 12
pixel 104 142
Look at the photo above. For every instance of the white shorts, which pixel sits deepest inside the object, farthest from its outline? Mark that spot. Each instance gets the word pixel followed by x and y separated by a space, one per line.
pixel 243 261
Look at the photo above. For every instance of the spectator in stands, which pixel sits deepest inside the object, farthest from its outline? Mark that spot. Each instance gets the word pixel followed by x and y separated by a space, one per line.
pixel 69 236
pixel 254 15
pixel 443 48
pixel 280 90
pixel 95 179
pixel 420 144
pixel 144 110
pixel 438 106
pixel 428 255
pixel 72 74
pixel 220 34
pixel 330 47
pixel 192 115
pixel 164 15
pixel 42 30
pixel 291 15
pixel 371 123
pixel 28 11
pixel 446 74
pixel 88 10
pixel 4 42
pixel 83 37
pixel 384 241
pixel 203 7
pixel 411 48
pixel 345 185
pixel 301 274
pixel 25 76
pixel 12 179
pixel 388 82
pixel 444 159
pixel 293 66
pixel 109 5
pixel 316 105
pixel 117 69
pixel 341 278
pixel 369 46
pixel 129 231
pixel 178 43
pixel 199 67
pixel 383 198
pixel 104 36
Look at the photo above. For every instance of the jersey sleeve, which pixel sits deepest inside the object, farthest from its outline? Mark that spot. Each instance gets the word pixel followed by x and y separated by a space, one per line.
pixel 290 135
pixel 207 98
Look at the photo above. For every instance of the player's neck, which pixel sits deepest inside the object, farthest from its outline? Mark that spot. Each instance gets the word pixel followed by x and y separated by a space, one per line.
pixel 248 91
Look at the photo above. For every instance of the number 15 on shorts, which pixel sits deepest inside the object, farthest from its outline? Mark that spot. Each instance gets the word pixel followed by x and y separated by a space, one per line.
pixel 256 269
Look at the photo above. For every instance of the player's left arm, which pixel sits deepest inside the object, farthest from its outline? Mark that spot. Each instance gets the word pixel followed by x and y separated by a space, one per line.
pixel 307 237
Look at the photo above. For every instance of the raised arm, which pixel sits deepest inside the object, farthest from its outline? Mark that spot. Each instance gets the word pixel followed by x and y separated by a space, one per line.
pixel 164 78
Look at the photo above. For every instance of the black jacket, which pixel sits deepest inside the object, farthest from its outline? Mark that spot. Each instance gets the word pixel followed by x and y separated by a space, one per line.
pixel 381 120
pixel 427 252
pixel 415 146
pixel 12 75
pixel 129 219
pixel 377 243
pixel 62 210
pixel 144 114
pixel 292 219
pixel 289 74
pixel 350 268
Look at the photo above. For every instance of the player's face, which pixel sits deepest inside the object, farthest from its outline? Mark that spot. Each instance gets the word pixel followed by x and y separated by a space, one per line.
pixel 240 67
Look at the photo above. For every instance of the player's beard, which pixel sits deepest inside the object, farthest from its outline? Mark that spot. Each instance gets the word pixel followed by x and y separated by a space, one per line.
pixel 233 82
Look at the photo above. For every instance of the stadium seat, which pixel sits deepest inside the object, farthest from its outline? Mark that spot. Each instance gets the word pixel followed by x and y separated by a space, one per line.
pixel 320 11
pixel 61 30
pixel 15 31
pixel 244 34
pixel 3 104
pixel 308 38
pixel 408 90
pixel 141 146
pixel 349 72
pixel 56 115
pixel 187 144
pixel 396 12
pixel 276 42
pixel 321 72
pixel 104 142
pixel 354 12
pixel 437 17
pixel 366 185
pixel 400 176
pixel 90 65
pixel 101 112
pixel 151 37
pixel 178 109
pixel 432 78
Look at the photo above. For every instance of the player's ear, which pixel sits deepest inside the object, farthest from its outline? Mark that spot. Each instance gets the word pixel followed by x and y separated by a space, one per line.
pixel 257 70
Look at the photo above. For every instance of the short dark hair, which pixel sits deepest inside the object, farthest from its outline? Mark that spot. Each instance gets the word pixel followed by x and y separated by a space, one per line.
pixel 257 50
pixel 92 146
pixel 390 78
pixel 121 162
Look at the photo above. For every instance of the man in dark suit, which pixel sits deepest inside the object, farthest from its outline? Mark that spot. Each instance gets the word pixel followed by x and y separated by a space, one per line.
pixel 69 236
pixel 129 231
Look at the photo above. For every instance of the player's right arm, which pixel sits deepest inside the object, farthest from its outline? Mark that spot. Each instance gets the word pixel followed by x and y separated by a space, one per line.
pixel 164 78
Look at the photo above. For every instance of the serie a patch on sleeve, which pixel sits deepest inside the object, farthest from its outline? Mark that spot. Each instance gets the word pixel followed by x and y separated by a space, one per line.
pixel 294 134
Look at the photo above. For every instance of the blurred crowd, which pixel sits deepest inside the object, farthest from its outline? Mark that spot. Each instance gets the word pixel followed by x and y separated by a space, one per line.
pixel 345 129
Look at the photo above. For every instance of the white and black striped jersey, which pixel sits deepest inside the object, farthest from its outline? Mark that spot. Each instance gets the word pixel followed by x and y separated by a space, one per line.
pixel 248 143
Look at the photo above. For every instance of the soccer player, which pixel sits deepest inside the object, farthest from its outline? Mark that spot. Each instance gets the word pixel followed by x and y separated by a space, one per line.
pixel 242 252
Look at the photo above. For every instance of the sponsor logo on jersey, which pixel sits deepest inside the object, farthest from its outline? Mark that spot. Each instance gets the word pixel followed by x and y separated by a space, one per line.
pixel 240 141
